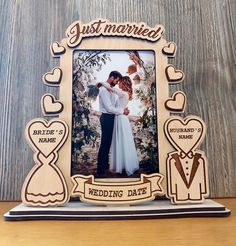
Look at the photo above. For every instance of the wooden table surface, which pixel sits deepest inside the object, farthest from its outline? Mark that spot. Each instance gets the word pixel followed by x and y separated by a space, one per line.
pixel 186 231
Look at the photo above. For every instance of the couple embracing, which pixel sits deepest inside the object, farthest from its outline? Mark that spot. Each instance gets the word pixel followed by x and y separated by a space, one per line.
pixel 116 132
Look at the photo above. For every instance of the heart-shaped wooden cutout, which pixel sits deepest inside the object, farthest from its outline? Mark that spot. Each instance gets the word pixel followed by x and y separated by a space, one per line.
pixel 46 137
pixel 177 103
pixel 57 49
pixel 173 75
pixel 53 78
pixel 50 106
pixel 169 49
pixel 185 134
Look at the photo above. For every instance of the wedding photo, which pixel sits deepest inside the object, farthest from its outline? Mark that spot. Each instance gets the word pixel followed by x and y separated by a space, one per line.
pixel 114 114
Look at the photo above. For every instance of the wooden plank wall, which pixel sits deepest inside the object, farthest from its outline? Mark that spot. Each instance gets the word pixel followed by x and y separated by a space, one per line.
pixel 204 31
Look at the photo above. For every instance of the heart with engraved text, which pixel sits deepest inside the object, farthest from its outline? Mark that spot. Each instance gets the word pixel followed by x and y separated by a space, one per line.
pixel 185 134
pixel 46 137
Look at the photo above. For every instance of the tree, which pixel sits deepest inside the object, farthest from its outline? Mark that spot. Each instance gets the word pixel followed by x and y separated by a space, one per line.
pixel 84 130
pixel 145 129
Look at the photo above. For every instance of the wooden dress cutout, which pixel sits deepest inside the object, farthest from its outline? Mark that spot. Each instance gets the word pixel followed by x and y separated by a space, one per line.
pixel 45 185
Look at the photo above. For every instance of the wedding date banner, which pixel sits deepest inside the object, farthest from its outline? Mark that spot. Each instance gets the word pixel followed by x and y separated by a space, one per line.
pixel 114 193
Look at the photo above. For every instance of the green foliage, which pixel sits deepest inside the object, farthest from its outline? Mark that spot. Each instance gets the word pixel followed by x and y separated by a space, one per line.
pixel 145 130
pixel 84 131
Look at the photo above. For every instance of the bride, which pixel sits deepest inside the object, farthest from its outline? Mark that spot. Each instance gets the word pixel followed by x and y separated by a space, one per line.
pixel 123 152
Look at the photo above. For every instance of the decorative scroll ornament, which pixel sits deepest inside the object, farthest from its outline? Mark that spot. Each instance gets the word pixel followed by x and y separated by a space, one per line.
pixel 117 193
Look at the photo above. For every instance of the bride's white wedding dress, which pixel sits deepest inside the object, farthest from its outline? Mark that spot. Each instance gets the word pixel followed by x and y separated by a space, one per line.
pixel 123 151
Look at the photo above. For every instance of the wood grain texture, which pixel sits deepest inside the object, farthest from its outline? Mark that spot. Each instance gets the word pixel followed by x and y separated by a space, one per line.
pixel 204 31
pixel 181 231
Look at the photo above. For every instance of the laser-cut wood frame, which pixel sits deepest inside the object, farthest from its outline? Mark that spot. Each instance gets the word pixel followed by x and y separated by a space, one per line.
pixel 103 35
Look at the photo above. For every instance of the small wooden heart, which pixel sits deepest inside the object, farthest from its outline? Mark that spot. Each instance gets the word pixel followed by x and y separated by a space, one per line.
pixel 46 137
pixel 50 106
pixel 53 78
pixel 173 75
pixel 170 49
pixel 185 134
pixel 57 49
pixel 177 103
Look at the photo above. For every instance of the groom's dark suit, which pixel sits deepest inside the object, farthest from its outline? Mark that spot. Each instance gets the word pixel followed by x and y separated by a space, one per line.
pixel 107 103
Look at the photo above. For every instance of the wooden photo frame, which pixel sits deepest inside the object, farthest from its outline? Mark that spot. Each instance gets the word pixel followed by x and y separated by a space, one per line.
pixel 129 42
pixel 126 45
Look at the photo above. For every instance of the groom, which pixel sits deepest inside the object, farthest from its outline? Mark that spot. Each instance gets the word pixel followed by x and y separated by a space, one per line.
pixel 107 106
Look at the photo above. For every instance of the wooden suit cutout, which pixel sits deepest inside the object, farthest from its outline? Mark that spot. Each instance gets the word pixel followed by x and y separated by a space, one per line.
pixel 186 168
pixel 187 177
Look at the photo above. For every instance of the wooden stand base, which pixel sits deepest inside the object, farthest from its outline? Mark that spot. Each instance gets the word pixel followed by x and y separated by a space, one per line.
pixel 149 210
